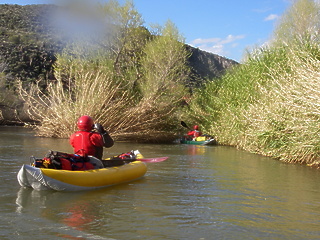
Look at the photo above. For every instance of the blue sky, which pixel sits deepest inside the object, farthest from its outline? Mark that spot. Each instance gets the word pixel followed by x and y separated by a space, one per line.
pixel 227 28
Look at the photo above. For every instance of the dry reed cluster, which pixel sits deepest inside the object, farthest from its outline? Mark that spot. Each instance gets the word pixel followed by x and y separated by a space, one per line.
pixel 131 82
pixel 284 122
pixel 99 96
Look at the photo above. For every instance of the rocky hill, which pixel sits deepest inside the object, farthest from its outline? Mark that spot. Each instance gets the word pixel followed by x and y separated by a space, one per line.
pixel 205 65
pixel 28 46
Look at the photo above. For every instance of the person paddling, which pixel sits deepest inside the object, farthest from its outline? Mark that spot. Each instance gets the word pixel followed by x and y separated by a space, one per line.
pixel 87 142
pixel 195 132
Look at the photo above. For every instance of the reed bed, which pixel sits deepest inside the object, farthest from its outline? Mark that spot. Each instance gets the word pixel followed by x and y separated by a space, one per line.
pixel 269 105
pixel 125 114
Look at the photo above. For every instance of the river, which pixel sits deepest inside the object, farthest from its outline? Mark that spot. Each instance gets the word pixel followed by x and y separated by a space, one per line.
pixel 200 192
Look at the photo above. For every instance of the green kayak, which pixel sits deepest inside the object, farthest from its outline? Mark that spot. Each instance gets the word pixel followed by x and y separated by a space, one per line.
pixel 210 141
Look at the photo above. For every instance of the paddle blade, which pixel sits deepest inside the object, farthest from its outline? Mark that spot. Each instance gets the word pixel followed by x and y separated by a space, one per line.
pixel 184 124
pixel 153 160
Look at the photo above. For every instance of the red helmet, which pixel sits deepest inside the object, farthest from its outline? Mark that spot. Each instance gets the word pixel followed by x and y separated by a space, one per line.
pixel 85 123
pixel 195 127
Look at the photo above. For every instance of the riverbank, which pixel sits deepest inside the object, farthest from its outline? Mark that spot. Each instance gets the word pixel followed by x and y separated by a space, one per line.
pixel 14 116
pixel 269 105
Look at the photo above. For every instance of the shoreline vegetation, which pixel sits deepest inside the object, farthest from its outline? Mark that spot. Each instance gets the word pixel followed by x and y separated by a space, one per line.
pixel 135 82
pixel 270 104
pixel 128 78
pixel 101 61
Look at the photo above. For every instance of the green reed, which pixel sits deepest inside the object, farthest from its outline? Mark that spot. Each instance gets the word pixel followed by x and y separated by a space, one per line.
pixel 268 105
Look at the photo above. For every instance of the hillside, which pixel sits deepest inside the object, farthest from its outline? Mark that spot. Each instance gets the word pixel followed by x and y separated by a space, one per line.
pixel 29 43
pixel 205 65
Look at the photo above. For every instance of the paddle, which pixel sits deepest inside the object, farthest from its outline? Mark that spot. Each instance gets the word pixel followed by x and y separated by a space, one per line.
pixel 152 160
pixel 184 125
pixel 139 157
pixel 115 162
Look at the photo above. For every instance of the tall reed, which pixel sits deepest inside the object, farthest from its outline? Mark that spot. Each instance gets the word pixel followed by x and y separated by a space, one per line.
pixel 269 105
pixel 83 89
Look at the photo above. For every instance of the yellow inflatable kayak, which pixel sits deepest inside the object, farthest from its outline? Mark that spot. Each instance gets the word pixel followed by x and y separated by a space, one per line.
pixel 65 180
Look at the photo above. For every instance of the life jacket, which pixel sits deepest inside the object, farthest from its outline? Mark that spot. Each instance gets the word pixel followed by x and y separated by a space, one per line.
pixel 196 133
pixel 82 144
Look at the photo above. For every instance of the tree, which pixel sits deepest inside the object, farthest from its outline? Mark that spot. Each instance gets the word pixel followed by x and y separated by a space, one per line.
pixel 164 65
pixel 300 22
pixel 126 36
pixel 116 37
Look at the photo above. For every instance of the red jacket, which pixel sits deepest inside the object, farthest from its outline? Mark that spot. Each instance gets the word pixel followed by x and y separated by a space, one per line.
pixel 85 143
pixel 194 133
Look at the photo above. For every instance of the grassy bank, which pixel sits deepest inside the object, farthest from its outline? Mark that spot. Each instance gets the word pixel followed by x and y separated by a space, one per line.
pixel 269 105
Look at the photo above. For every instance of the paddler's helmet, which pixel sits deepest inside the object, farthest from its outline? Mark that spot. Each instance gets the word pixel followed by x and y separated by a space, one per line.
pixel 85 123
pixel 195 127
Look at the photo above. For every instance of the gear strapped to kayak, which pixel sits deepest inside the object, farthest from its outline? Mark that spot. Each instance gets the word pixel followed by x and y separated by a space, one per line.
pixel 74 162
pixel 64 161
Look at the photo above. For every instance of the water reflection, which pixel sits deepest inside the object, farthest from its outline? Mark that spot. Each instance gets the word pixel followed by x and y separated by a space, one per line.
pixel 87 211
pixel 200 192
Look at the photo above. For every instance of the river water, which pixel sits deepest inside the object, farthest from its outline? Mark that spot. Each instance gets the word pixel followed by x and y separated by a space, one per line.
pixel 200 192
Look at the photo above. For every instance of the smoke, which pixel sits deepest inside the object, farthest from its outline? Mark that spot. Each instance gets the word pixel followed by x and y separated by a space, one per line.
pixel 80 21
